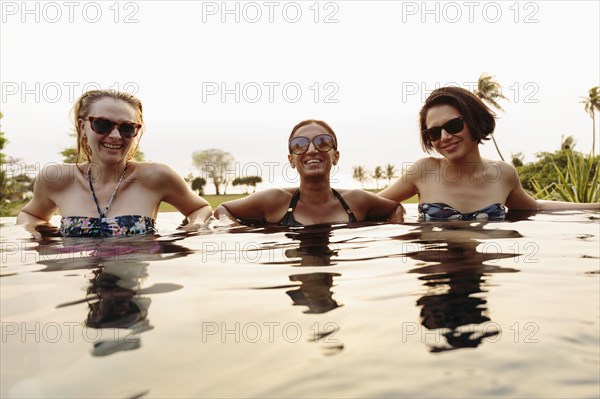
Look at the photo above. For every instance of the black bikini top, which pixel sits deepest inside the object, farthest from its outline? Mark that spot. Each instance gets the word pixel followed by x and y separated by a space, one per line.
pixel 289 220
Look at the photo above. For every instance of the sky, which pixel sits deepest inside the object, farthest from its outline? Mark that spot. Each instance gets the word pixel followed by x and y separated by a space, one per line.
pixel 239 75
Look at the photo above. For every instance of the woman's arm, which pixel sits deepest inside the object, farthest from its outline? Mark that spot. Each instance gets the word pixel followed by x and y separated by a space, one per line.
pixel 563 205
pixel 367 206
pixel 378 208
pixel 262 206
pixel 40 209
pixel 177 193
pixel 406 185
pixel 198 217
pixel 222 212
pixel 398 215
pixel 518 199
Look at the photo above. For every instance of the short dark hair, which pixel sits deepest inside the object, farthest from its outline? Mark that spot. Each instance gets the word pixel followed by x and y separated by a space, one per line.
pixel 480 119
pixel 324 125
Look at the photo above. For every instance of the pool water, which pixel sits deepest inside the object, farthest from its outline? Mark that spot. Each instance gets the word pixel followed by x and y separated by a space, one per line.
pixel 502 309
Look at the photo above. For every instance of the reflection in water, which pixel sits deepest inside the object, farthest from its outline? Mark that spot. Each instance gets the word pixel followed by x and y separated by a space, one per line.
pixel 84 253
pixel 314 249
pixel 315 292
pixel 454 303
pixel 112 306
pixel 115 296
pixel 455 278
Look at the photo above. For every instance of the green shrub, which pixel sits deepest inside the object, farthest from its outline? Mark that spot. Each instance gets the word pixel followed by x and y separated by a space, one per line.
pixel 577 181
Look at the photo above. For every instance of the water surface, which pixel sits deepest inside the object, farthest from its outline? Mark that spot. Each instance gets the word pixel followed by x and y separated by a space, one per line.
pixel 503 309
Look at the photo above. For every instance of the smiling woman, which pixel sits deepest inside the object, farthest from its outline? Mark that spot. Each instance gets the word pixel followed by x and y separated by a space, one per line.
pixel 313 150
pixel 461 185
pixel 110 194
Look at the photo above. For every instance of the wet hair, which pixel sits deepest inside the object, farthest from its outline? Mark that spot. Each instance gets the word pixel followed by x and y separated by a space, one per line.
pixel 479 118
pixel 306 122
pixel 81 110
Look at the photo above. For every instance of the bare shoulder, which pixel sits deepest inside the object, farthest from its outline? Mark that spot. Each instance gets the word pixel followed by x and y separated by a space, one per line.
pixel 500 171
pixel 412 179
pixel 152 168
pixel 56 177
pixel 494 163
pixel 153 174
pixel 421 162
pixel 356 194
pixel 419 168
pixel 368 206
pixel 274 196
pixel 358 197
pixel 428 161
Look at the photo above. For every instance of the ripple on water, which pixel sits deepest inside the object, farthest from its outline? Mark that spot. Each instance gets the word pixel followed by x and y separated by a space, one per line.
pixel 464 309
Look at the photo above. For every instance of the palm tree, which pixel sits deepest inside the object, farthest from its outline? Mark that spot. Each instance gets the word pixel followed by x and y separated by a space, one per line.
pixel 517 159
pixel 359 173
pixel 489 90
pixel 377 174
pixel 390 170
pixel 592 104
pixel 567 143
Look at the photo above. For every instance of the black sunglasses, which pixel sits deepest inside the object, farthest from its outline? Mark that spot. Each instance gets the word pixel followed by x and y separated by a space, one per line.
pixel 127 130
pixel 300 144
pixel 453 126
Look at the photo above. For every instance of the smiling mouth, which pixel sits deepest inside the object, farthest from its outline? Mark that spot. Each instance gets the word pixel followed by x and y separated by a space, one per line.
pixel 112 146
pixel 450 146
pixel 312 161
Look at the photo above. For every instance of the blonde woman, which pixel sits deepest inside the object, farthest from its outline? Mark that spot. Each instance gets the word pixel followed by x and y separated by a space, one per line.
pixel 109 194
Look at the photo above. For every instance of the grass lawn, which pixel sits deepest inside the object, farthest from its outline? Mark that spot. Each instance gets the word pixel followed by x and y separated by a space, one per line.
pixel 14 208
pixel 216 200
pixel 213 200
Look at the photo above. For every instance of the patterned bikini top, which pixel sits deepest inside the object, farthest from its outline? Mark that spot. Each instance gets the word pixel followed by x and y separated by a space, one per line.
pixel 438 211
pixel 119 226
pixel 102 226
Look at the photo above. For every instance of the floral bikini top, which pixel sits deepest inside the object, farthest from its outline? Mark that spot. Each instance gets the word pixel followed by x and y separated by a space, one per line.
pixel 118 226
pixel 438 211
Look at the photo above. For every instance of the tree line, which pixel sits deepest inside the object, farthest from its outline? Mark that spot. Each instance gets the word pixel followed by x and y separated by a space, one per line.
pixel 217 165
pixel 363 175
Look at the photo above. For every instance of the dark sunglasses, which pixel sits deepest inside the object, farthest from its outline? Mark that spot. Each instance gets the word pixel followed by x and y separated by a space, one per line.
pixel 105 126
pixel 453 126
pixel 300 144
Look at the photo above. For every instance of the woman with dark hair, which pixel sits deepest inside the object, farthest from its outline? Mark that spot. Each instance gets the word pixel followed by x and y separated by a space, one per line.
pixel 313 152
pixel 461 185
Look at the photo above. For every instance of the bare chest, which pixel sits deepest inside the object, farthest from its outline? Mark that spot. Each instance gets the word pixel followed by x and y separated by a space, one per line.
pixel 464 192
pixel 129 198
pixel 329 212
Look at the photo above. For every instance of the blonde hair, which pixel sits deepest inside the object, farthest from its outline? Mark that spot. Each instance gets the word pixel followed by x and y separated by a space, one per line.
pixel 81 110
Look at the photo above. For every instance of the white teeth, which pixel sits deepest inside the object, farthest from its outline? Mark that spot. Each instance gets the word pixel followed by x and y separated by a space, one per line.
pixel 112 146
pixel 313 161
